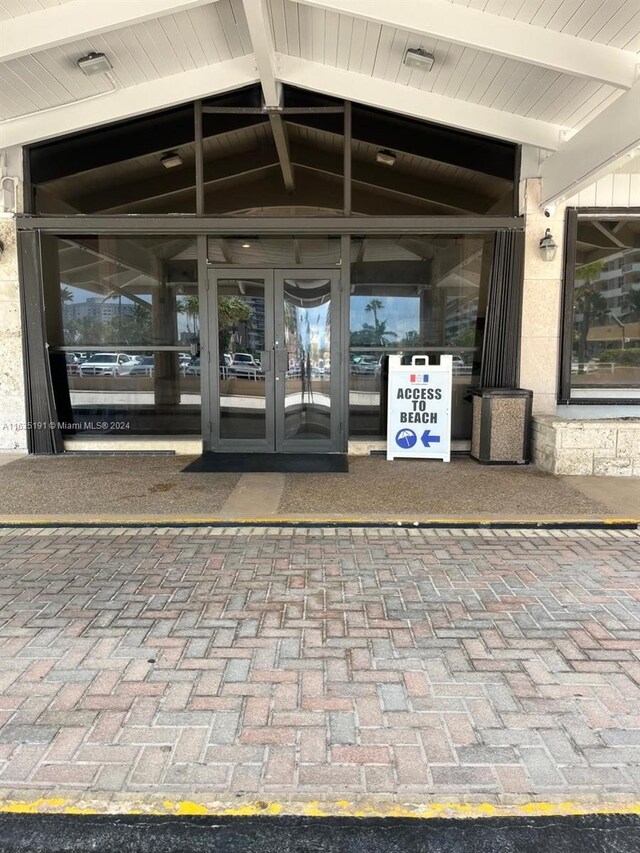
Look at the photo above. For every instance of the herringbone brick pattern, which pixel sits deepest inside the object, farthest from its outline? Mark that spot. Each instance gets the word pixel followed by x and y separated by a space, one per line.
pixel 414 664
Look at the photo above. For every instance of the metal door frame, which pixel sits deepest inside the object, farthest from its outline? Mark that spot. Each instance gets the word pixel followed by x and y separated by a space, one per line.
pixel 210 375
pixel 301 445
pixel 274 440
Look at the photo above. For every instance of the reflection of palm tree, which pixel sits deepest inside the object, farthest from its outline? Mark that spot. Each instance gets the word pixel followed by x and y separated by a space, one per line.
pixel 588 301
pixel 380 334
pixel 231 311
pixel 190 307
pixel 373 307
pixel 66 294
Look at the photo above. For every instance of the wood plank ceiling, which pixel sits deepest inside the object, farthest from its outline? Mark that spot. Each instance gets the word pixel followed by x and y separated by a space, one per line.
pixel 206 35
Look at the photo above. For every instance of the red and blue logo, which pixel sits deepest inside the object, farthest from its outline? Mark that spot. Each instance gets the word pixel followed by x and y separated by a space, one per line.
pixel 420 378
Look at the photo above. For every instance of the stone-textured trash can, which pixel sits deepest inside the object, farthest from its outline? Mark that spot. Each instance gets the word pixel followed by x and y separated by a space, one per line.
pixel 501 426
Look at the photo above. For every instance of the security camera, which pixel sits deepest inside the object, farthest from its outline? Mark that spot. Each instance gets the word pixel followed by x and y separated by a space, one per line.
pixel 549 210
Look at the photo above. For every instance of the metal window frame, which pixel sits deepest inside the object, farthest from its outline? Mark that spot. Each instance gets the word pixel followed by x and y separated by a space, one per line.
pixel 203 227
pixel 337 414
pixel 574 215
pixel 192 224
pixel 210 375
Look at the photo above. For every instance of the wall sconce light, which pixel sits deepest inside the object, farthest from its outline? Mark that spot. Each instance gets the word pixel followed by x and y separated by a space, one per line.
pixel 548 246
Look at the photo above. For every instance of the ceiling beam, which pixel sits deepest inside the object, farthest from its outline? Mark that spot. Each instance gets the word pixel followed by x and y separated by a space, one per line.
pixel 495 34
pixel 424 140
pixel 408 100
pixel 608 234
pixel 125 253
pixel 79 19
pixel 282 147
pixel 131 101
pixel 593 151
pixel 419 188
pixel 182 203
pixel 263 49
pixel 265 57
pixel 120 195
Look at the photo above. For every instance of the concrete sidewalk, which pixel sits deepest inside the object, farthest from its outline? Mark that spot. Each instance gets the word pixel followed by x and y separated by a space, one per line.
pixel 152 667
pixel 127 489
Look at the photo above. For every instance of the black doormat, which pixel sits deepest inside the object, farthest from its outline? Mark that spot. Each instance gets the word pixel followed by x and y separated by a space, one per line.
pixel 281 463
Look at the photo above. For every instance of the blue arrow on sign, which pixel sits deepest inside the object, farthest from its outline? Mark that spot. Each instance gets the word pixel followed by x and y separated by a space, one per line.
pixel 427 438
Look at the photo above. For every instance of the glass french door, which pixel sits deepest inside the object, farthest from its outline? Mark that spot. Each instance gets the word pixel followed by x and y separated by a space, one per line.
pixel 271 353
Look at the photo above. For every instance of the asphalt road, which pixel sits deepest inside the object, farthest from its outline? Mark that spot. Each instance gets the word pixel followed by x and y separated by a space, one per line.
pixel 139 834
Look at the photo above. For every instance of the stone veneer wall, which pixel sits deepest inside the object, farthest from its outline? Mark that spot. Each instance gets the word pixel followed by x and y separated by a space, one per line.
pixel 541 301
pixel 12 403
pixel 601 447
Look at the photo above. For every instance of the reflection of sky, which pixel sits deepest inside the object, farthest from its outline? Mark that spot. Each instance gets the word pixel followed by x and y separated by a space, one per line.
pixel 318 330
pixel 402 313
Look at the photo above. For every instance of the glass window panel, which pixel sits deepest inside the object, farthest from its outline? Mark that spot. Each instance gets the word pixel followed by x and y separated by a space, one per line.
pixel 287 165
pixel 415 295
pixel 145 165
pixel 265 165
pixel 401 166
pixel 112 303
pixel 274 252
pixel 605 353
pixel 307 341
pixel 241 347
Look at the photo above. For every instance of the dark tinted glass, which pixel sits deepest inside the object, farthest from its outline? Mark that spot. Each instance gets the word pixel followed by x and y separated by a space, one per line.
pixel 123 326
pixel 415 295
pixel 605 352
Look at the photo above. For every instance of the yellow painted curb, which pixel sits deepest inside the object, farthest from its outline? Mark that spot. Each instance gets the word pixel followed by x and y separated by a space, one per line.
pixel 315 808
pixel 301 521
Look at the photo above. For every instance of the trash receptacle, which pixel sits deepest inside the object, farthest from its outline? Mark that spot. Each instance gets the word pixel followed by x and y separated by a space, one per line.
pixel 501 426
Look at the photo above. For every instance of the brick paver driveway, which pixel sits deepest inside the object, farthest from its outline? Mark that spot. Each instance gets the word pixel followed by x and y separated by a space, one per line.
pixel 416 665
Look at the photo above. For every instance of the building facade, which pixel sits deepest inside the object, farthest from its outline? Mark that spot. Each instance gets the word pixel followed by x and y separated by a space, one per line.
pixel 223 258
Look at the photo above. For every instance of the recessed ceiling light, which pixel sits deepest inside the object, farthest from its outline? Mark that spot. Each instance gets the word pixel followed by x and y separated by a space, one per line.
pixel 386 157
pixel 246 245
pixel 94 63
pixel 171 159
pixel 417 57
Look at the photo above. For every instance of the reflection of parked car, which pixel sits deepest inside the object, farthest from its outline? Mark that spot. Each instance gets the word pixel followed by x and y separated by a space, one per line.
pixel 144 366
pixel 365 365
pixel 193 369
pixel 244 364
pixel 107 364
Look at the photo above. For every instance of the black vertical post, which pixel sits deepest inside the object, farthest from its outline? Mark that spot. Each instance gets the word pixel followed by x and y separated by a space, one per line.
pixel 43 436
pixel 197 113
pixel 568 289
pixel 347 159
pixel 501 346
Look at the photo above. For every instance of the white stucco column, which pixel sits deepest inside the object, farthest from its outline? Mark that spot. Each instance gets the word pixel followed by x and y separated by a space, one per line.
pixel 541 306
pixel 12 400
